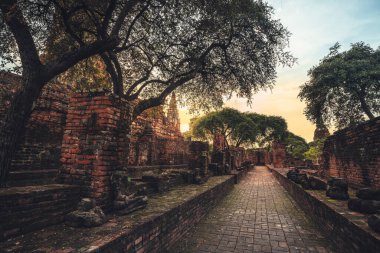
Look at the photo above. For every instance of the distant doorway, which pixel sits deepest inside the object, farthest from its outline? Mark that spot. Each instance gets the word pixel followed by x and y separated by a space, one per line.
pixel 260 158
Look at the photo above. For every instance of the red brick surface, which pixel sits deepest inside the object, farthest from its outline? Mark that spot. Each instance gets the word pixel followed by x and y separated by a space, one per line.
pixel 354 154
pixel 279 155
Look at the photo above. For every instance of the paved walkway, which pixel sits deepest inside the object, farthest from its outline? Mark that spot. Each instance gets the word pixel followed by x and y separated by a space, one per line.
pixel 257 216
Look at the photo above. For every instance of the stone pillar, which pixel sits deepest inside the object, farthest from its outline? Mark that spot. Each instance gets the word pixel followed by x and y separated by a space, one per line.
pixel 278 150
pixel 199 156
pixel 95 143
pixel 218 142
pixel 266 155
pixel 204 162
pixel 228 156
pixel 146 146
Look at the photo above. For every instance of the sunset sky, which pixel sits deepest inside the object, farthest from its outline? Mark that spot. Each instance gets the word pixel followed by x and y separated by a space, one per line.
pixel 316 25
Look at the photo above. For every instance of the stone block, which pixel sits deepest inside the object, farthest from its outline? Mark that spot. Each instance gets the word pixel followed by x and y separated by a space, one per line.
pixel 368 193
pixel 364 206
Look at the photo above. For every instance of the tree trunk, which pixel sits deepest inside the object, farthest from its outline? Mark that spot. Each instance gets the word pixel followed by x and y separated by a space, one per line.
pixel 365 107
pixel 13 125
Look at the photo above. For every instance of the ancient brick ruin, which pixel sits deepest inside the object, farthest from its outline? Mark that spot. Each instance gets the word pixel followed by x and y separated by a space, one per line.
pixel 82 140
pixel 354 154
pixel 155 138
pixel 37 158
pixel 279 155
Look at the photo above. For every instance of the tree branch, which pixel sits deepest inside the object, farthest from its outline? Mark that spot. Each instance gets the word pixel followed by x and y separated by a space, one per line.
pixel 65 18
pixel 123 14
pixel 56 67
pixel 129 31
pixel 137 93
pixel 112 71
pixel 118 90
pixel 108 15
pixel 156 101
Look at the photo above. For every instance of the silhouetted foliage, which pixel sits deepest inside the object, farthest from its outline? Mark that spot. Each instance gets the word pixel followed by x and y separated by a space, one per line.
pixel 344 89
pixel 272 128
pixel 295 145
pixel 240 129
pixel 236 128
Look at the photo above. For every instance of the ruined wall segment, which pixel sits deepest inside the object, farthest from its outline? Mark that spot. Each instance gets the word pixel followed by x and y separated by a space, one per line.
pixel 258 156
pixel 279 155
pixel 354 154
pixel 156 138
pixel 100 139
pixel 95 143
pixel 37 158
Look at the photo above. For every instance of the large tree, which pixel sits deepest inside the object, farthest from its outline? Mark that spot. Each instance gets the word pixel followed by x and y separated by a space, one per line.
pixel 241 129
pixel 271 128
pixel 234 126
pixel 203 49
pixel 344 89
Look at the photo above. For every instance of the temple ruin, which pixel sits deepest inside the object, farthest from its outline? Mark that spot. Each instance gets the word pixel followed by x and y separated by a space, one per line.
pixel 86 166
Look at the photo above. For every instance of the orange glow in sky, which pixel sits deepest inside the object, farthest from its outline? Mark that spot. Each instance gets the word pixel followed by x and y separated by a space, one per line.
pixel 316 25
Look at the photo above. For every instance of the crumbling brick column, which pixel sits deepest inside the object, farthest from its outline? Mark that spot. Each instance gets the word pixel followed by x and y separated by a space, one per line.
pixel 278 152
pixel 95 143
pixel 199 156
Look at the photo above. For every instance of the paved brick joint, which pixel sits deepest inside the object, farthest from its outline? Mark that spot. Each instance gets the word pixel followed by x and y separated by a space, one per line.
pixel 257 216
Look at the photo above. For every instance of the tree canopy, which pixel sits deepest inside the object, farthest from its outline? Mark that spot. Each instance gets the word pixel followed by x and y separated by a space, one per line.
pixel 271 128
pixel 240 129
pixel 295 145
pixel 344 88
pixel 214 47
pixel 236 128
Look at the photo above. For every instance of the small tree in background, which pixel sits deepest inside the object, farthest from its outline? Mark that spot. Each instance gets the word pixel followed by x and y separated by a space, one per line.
pixel 236 128
pixel 295 145
pixel 244 129
pixel 271 128
pixel 315 151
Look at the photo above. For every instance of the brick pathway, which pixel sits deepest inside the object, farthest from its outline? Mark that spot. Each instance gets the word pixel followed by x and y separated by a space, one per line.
pixel 257 216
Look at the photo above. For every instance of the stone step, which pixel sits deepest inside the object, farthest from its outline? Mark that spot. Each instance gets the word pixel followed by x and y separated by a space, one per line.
pixel 32 177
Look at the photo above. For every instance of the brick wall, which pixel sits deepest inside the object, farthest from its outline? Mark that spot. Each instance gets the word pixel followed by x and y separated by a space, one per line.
pixel 26 209
pixel 161 232
pixel 95 143
pixel 37 157
pixel 354 154
pixel 156 140
pixel 198 157
pixel 237 157
pixel 347 235
pixel 279 155
pixel 257 156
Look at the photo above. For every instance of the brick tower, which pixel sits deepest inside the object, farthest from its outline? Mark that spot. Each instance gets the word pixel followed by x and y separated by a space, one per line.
pixel 173 115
